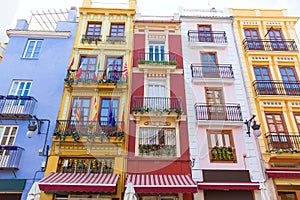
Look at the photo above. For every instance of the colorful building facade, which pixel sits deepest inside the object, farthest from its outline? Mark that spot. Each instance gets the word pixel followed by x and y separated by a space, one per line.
pixel 87 158
pixel 268 46
pixel 32 73
pixel 158 163
pixel 226 161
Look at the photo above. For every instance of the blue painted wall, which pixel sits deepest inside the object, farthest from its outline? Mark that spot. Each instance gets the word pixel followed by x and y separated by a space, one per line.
pixel 47 74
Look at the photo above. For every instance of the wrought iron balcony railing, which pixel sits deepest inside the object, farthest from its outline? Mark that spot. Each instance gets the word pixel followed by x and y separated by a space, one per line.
pixel 270 45
pixel 213 36
pixel 90 39
pixel 95 77
pixel 156 105
pixel 212 71
pixel 285 142
pixel 86 165
pixel 114 38
pixel 157 58
pixel 225 112
pixel 17 107
pixel 10 157
pixel 277 88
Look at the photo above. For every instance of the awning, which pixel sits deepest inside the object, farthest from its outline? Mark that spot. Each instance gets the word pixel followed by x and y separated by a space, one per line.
pixel 160 184
pixel 283 173
pixel 12 185
pixel 228 186
pixel 79 182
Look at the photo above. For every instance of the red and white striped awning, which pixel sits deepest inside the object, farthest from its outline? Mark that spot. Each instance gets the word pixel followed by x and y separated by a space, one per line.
pixel 228 186
pixel 160 184
pixel 79 182
pixel 283 173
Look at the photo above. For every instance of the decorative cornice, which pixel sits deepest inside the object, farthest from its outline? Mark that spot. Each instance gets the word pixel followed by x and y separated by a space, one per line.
pixel 42 34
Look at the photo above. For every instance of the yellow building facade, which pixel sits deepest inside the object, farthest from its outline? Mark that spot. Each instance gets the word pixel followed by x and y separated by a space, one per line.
pixel 268 46
pixel 87 157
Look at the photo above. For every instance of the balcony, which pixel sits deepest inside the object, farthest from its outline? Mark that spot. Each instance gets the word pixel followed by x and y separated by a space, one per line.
pixel 10 157
pixel 157 106
pixel 276 88
pixel 216 39
pixel 283 142
pixel 115 39
pixel 220 73
pixel 219 114
pixel 86 165
pixel 92 130
pixel 157 60
pixel 269 45
pixel 96 79
pixel 16 107
pixel 90 39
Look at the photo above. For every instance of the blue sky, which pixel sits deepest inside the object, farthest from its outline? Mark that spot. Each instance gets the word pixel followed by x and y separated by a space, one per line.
pixel 21 9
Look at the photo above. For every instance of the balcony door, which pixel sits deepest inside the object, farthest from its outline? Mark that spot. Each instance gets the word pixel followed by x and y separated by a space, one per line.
pixel 205 33
pixel 7 138
pixel 263 78
pixel 79 114
pixel 290 80
pixel 157 51
pixel 109 113
pixel 277 129
pixel 253 39
pixel 297 120
pixel 18 88
pixel 157 95
pixel 87 68
pixel 210 67
pixel 276 40
pixel 216 108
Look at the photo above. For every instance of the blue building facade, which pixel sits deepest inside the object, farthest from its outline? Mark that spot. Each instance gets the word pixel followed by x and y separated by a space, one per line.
pixel 32 75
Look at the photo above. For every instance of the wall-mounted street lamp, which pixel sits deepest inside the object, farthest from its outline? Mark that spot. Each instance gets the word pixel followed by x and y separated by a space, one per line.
pixel 36 125
pixel 192 162
pixel 255 127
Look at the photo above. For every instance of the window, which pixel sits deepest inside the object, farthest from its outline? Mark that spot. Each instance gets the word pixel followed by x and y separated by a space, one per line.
pixel 20 88
pixel 221 145
pixel 276 39
pixel 297 119
pixel 114 65
pixel 156 90
pixel 109 111
pixel 157 141
pixel 288 76
pixel 157 50
pixel 93 30
pixel 80 109
pixel 287 196
pixel 253 38
pixel 216 108
pixel 117 29
pixel 262 75
pixel 210 67
pixel 277 130
pixel 32 49
pixel 87 67
pixel 205 34
pixel 7 137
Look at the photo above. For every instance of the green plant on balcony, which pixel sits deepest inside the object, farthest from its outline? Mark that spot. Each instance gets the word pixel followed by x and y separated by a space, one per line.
pixel 157 149
pixel 90 40
pixel 157 62
pixel 76 135
pixel 160 111
pixel 222 153
pixel 69 81
pixel 108 81
pixel 280 151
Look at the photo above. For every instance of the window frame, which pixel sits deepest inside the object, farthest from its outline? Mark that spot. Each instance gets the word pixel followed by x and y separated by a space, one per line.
pixel 87 66
pixel 116 33
pixel 36 49
pixel 93 33
pixel 74 106
pixel 115 109
pixel 206 34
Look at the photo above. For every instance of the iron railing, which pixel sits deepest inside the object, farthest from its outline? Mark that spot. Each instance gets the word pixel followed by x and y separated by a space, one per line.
pixel 212 71
pixel 277 88
pixel 95 77
pixel 225 112
pixel 284 141
pixel 12 106
pixel 157 104
pixel 157 58
pixel 86 165
pixel 113 38
pixel 89 127
pixel 270 45
pixel 10 157
pixel 212 36
pixel 91 38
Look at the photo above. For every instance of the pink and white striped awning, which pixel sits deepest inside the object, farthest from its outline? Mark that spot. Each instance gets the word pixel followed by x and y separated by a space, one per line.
pixel 79 182
pixel 283 173
pixel 228 186
pixel 160 184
